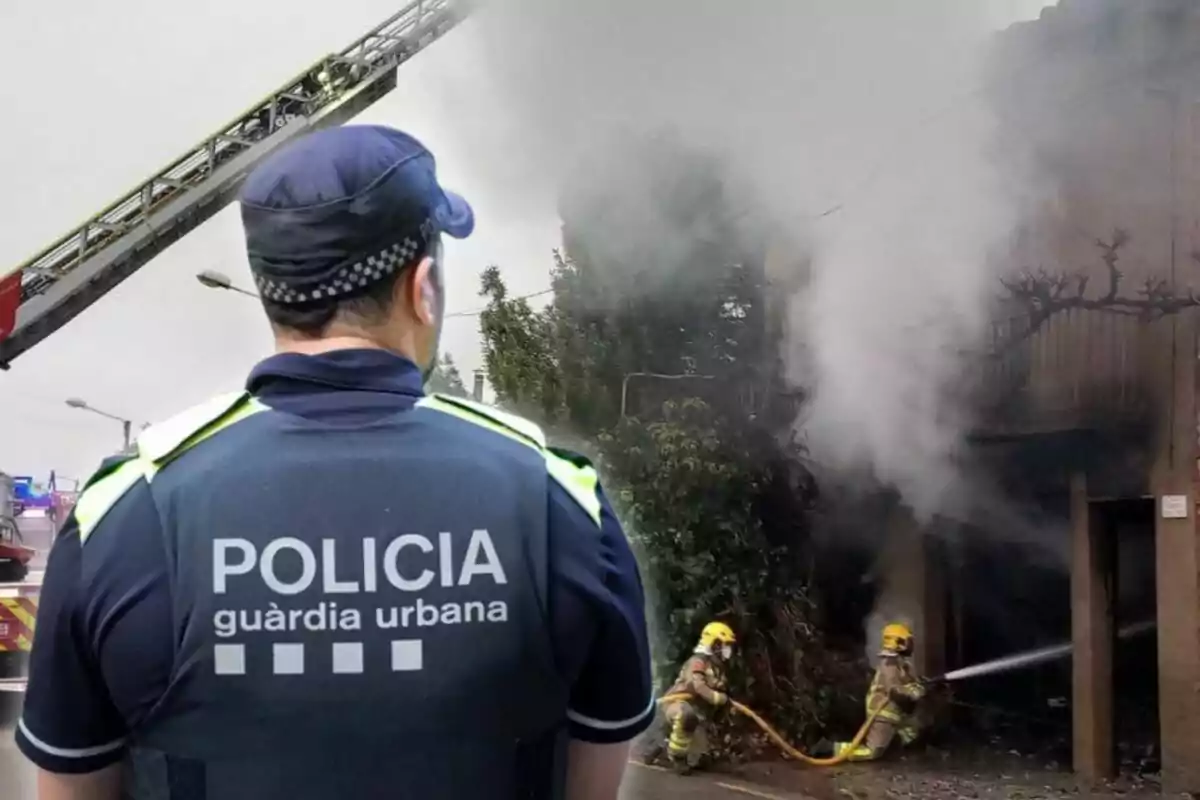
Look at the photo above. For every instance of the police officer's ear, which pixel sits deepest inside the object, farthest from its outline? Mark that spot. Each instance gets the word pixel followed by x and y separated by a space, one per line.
pixel 420 291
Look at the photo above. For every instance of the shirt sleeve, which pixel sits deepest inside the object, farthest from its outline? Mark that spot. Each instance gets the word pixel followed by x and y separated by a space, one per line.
pixel 102 649
pixel 598 611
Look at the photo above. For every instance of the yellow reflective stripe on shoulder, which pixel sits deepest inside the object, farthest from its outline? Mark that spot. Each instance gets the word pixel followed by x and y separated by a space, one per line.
pixel 102 495
pixel 248 408
pixel 581 483
pixel 490 421
pixel 518 424
pixel 161 440
pixel 156 446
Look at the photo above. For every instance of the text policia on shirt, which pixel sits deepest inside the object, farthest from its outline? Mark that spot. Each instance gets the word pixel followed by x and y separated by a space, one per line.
pixel 410 563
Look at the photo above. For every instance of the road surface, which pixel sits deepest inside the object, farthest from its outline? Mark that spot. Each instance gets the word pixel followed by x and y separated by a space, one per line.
pixel 654 783
pixel 16 778
pixel 641 783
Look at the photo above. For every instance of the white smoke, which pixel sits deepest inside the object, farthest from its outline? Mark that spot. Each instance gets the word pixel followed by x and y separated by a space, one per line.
pixel 859 127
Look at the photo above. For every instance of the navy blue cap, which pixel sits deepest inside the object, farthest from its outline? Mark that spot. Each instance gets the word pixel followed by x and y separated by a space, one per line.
pixel 341 208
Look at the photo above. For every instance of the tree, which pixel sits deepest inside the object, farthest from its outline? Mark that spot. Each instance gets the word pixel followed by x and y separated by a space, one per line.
pixel 694 467
pixel 517 351
pixel 445 378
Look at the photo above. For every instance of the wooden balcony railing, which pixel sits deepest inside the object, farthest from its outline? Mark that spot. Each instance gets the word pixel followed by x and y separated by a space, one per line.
pixel 1078 369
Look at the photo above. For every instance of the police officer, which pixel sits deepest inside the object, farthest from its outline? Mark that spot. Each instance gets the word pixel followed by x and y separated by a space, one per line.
pixel 330 584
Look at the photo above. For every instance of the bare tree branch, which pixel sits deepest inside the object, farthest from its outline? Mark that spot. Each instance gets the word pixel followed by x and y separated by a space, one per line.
pixel 1044 294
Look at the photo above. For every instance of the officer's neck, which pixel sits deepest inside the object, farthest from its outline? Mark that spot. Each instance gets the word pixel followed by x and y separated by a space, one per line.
pixel 396 335
pixel 398 342
pixel 316 347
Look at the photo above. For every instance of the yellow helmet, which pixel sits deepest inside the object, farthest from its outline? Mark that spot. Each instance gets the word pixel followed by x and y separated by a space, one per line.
pixel 716 634
pixel 897 639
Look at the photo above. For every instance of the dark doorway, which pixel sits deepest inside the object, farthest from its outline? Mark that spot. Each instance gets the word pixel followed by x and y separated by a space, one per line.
pixel 1130 528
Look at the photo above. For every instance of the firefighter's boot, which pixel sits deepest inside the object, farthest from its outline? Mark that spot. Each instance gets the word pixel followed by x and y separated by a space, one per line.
pixel 653 752
pixel 680 764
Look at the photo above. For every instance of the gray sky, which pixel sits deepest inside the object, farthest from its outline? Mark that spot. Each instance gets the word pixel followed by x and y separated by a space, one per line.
pixel 127 85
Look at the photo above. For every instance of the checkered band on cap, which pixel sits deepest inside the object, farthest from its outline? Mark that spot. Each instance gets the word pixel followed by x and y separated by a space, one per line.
pixel 350 279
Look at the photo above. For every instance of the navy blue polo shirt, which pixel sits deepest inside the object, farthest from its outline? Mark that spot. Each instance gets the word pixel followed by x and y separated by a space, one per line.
pixel 104 652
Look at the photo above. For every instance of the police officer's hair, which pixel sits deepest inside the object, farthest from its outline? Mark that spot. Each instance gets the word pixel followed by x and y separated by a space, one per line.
pixel 369 307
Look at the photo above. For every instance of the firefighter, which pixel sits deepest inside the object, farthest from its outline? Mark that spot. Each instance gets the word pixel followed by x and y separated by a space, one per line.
pixel 703 677
pixel 897 689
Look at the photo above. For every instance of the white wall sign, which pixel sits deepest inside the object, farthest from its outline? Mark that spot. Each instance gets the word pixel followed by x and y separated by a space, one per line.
pixel 1174 506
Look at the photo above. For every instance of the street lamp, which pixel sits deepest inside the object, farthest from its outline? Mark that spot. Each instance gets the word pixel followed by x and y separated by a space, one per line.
pixel 660 376
pixel 219 280
pixel 126 425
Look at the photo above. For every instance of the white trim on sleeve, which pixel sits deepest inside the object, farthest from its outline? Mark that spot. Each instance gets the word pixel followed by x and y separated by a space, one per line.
pixel 65 752
pixel 603 725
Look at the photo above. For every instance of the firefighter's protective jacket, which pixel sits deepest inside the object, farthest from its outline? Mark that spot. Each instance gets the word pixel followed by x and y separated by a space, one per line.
pixel 703 676
pixel 894 676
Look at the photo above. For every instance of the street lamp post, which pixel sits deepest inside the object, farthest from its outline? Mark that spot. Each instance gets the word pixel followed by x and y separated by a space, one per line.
pixel 219 280
pixel 660 376
pixel 126 425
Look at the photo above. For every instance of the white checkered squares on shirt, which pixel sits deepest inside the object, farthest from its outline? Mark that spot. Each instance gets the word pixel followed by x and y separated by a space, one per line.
pixel 288 658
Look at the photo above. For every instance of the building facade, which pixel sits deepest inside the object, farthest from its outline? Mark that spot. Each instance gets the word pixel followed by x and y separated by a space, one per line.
pixel 1093 409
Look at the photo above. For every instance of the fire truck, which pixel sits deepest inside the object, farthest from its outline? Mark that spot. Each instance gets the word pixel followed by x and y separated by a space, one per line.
pixel 18 609
pixel 18 595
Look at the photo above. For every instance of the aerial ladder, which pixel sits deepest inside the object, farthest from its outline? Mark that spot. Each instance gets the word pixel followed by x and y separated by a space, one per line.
pixel 52 288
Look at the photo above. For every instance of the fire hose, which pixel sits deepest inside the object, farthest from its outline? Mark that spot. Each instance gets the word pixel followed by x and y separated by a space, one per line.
pixel 1017 661
pixel 782 743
